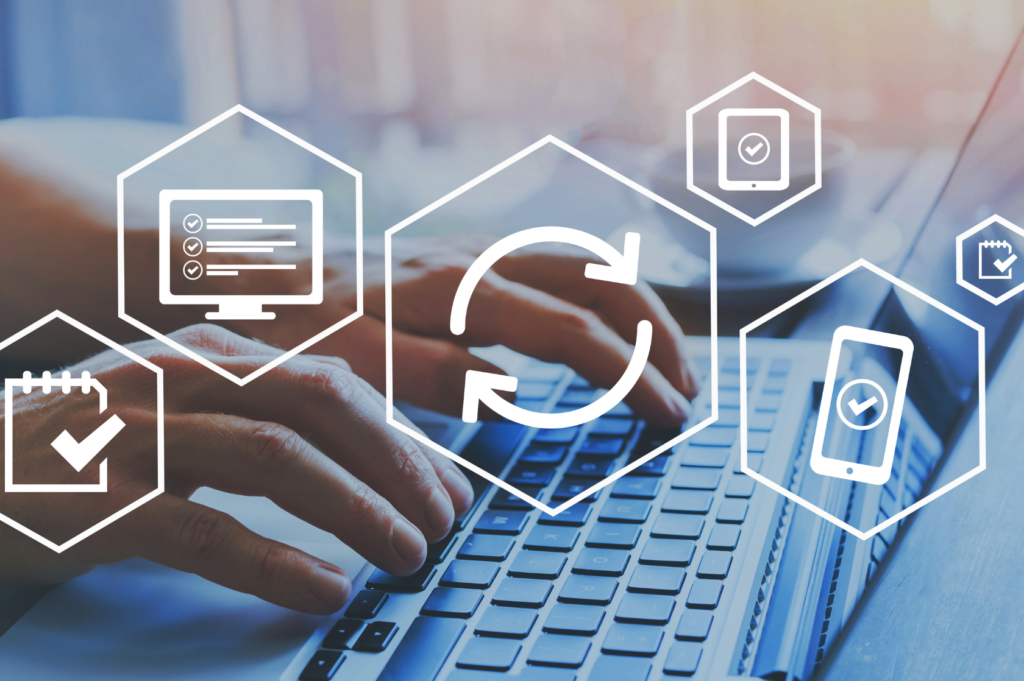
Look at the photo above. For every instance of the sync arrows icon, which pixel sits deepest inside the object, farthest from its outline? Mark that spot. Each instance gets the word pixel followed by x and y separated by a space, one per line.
pixel 621 269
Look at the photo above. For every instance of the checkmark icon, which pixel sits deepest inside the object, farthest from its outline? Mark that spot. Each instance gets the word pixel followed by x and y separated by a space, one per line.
pixel 193 270
pixel 754 149
pixel 859 408
pixel 193 223
pixel 79 454
pixel 1003 265
pixel 193 247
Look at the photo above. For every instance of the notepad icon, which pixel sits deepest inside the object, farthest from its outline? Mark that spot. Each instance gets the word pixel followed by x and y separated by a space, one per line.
pixel 995 259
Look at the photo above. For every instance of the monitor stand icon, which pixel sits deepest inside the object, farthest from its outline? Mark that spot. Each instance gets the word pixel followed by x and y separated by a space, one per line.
pixel 215 228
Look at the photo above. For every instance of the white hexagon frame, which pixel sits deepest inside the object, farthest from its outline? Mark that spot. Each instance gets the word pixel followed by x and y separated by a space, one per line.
pixel 60 548
pixel 692 186
pixel 895 281
pixel 191 354
pixel 960 260
pixel 695 428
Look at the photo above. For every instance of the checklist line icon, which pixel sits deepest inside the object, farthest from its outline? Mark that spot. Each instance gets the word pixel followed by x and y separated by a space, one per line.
pixel 995 259
pixel 77 454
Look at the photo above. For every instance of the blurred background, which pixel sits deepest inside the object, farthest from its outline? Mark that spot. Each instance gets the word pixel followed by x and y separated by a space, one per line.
pixel 423 95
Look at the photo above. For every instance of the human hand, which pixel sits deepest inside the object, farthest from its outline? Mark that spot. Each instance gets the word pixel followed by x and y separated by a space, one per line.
pixel 534 301
pixel 309 435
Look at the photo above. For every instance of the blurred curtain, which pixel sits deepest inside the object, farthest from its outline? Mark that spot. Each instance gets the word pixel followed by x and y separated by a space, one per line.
pixel 113 58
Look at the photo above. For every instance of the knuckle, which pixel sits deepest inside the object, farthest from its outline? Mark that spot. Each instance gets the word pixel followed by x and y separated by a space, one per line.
pixel 273 447
pixel 330 384
pixel 269 559
pixel 366 509
pixel 203 533
pixel 202 334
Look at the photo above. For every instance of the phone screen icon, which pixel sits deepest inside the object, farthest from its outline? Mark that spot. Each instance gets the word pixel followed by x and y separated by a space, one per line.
pixel 753 149
pixel 861 404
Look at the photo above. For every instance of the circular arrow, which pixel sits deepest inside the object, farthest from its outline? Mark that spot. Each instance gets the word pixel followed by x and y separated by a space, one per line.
pixel 481 386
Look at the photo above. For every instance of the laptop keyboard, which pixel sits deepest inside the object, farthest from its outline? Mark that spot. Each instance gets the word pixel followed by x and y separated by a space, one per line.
pixel 634 570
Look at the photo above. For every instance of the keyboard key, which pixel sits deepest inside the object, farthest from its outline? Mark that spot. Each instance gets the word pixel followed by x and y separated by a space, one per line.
pixel 502 622
pixel 323 666
pixel 486 547
pixel 724 538
pixel 342 634
pixel 537 371
pixel 683 658
pixel 732 511
pixel 656 579
pixel 531 390
pixel 501 522
pixel 530 475
pixel 696 478
pixel 616 668
pixel 632 639
pixel 625 511
pixel 727 417
pixel 552 538
pixel 760 422
pixel 604 446
pixel 613 536
pixel 740 487
pixel 506 501
pixel 555 650
pixel 423 650
pixel 754 462
pixel 677 526
pixel 606 427
pixel 728 398
pixel 603 562
pixel 704 594
pixel 544 453
pixel 731 365
pixel 521 593
pixel 714 437
pixel 773 385
pixel 707 457
pixel 588 590
pixel 444 601
pixel 375 637
pixel 436 553
pixel 469 574
pixel 619 411
pixel 537 565
pixel 574 516
pixel 714 565
pixel 757 443
pixel 491 654
pixel 656 467
pixel 557 435
pixel 578 620
pixel 687 501
pixel 769 403
pixel 670 552
pixel 645 609
pixel 636 488
pixel 413 583
pixel 491 447
pixel 590 467
pixel 780 366
pixel 568 489
pixel 366 604
pixel 694 625
pixel 578 397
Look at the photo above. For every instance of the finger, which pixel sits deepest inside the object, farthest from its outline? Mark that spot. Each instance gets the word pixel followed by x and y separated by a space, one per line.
pixel 623 306
pixel 332 409
pixel 554 330
pixel 194 538
pixel 241 456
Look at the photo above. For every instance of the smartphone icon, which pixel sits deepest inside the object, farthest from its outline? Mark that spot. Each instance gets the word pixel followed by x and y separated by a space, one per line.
pixel 753 149
pixel 861 404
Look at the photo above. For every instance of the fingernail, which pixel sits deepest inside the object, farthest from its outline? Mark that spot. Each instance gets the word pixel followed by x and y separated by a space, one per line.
pixel 459 488
pixel 330 587
pixel 408 543
pixel 439 513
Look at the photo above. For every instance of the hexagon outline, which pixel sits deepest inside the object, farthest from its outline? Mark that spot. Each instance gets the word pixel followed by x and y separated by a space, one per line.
pixel 960 260
pixel 752 221
pixel 692 430
pixel 188 352
pixel 60 548
pixel 895 281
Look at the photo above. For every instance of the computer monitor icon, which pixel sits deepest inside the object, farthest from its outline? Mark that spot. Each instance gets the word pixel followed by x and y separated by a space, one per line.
pixel 268 241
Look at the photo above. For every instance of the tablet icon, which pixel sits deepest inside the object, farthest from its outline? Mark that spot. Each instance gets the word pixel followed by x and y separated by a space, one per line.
pixel 861 404
pixel 747 159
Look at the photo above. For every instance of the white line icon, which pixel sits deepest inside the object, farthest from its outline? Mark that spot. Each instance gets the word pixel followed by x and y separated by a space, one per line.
pixel 621 269
pixel 995 260
pixel 871 396
pixel 753 149
pixel 76 453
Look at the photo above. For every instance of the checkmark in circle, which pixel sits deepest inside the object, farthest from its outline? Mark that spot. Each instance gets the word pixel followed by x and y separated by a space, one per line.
pixel 192 223
pixel 193 246
pixel 754 148
pixel 192 270
pixel 872 395
pixel 859 408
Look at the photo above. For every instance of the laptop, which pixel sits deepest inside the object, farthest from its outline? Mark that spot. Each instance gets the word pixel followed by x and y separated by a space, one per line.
pixel 687 566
